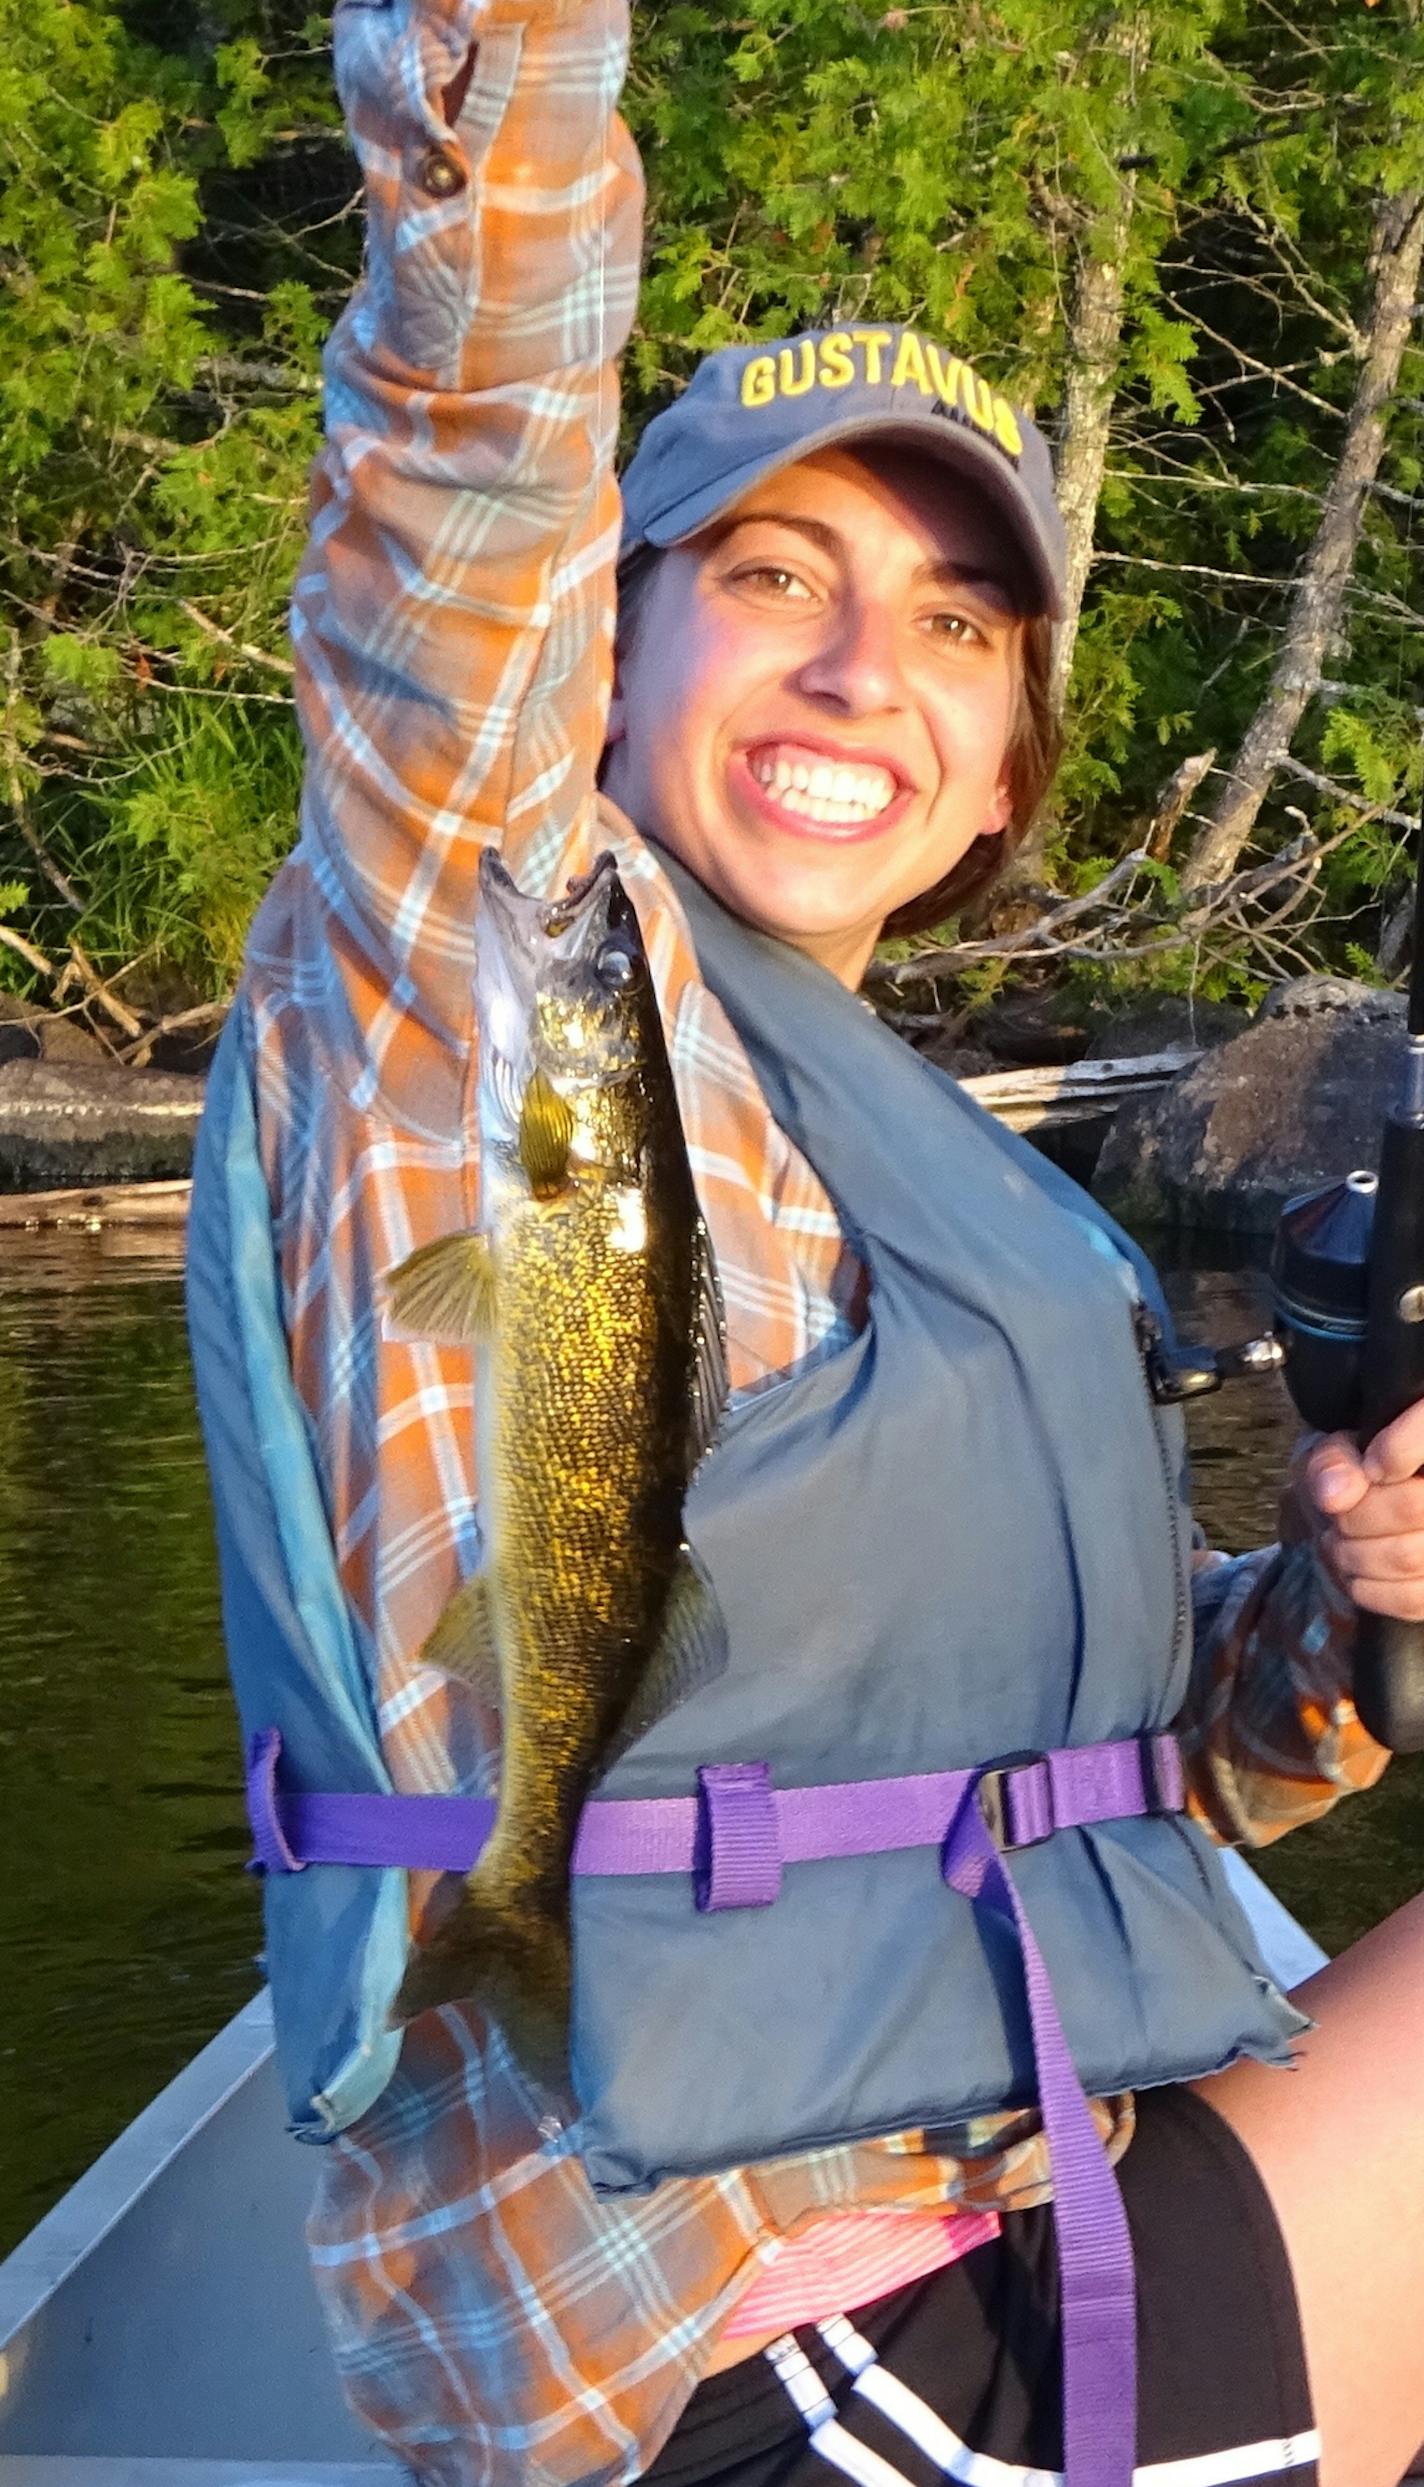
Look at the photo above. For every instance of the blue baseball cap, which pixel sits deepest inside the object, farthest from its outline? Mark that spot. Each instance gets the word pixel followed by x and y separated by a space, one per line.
pixel 752 409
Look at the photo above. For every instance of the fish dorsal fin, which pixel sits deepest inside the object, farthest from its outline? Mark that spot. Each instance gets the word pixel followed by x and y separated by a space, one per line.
pixel 546 1131
pixel 445 1291
pixel 691 1649
pixel 463 1641
pixel 709 1367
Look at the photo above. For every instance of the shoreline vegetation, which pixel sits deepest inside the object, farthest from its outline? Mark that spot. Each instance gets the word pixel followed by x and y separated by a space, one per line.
pixel 1189 235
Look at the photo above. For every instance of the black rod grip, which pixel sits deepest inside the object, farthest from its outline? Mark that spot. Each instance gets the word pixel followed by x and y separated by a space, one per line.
pixel 1389 1664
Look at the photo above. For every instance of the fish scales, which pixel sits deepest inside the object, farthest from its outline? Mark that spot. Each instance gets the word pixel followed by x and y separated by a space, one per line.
pixel 599 1380
pixel 587 1475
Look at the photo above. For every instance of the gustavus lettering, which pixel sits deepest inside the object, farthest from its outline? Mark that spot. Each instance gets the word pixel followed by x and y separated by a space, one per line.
pixel 882 356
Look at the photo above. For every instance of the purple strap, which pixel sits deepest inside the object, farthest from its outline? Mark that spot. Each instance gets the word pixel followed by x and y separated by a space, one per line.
pixel 733 1838
pixel 742 1867
pixel 1023 1802
pixel 1094 2246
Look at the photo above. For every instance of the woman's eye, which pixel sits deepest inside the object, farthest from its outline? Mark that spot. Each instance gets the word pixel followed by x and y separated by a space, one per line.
pixel 957 628
pixel 770 576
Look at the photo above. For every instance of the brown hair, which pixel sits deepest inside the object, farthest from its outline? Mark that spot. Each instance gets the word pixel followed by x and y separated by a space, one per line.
pixel 1035 746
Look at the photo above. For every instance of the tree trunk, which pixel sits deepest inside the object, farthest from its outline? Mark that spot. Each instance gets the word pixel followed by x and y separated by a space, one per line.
pixel 1093 344
pixel 1318 601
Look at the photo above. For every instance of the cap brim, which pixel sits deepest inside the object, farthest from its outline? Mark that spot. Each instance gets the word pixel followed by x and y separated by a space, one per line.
pixel 947 443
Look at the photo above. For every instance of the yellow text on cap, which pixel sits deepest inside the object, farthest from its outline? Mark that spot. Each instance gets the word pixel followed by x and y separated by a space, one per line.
pixel 846 355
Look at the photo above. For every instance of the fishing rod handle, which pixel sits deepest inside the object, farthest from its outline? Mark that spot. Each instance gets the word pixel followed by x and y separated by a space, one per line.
pixel 1389 1665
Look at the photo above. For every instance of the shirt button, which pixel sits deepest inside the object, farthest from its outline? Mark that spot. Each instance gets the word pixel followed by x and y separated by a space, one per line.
pixel 439 173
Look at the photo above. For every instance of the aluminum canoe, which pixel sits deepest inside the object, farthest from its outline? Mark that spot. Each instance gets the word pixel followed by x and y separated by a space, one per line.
pixel 159 2327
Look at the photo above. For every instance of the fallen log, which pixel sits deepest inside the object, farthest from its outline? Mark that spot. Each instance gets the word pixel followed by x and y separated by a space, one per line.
pixel 1074 1092
pixel 113 1204
pixel 1034 1100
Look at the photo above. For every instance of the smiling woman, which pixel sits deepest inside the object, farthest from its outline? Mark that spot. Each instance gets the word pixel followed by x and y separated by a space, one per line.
pixel 818 706
pixel 943 1895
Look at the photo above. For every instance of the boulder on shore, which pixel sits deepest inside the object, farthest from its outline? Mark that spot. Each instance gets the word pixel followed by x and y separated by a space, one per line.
pixel 1297 1100
pixel 64 1124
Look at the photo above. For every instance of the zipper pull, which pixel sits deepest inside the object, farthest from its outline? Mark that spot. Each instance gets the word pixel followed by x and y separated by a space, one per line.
pixel 1186 1373
pixel 1192 1372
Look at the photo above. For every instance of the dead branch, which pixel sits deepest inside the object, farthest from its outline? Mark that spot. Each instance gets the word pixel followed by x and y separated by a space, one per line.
pixel 1107 927
pixel 1319 595
pixel 202 1015
pixel 26 950
pixel 1173 801
pixel 1356 803
pixel 240 647
pixel 81 970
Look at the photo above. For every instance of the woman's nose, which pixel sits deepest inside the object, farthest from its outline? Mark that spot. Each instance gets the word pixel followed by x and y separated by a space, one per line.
pixel 856 663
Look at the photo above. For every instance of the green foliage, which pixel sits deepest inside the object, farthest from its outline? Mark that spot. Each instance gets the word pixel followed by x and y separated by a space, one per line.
pixel 160 326
pixel 176 237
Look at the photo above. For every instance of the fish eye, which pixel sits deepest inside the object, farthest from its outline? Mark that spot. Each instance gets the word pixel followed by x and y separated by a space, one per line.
pixel 616 967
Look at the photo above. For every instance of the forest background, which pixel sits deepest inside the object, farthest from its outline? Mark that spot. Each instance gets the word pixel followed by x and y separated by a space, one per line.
pixel 1188 235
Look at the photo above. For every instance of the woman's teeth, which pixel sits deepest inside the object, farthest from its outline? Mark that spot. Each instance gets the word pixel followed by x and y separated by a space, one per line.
pixel 823 790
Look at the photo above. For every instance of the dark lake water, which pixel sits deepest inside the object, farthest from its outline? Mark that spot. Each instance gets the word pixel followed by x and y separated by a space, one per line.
pixel 127 1930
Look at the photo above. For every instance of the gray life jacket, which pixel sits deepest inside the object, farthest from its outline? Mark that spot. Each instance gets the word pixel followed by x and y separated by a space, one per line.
pixel 959 1540
pixel 962 1538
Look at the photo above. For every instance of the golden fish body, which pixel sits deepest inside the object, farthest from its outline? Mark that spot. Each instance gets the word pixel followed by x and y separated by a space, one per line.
pixel 598 1382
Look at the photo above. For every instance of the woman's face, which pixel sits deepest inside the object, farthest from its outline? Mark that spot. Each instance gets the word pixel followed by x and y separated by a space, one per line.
pixel 816 708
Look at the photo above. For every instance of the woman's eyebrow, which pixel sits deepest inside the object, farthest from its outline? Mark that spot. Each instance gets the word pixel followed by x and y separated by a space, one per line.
pixel 990 583
pixel 942 573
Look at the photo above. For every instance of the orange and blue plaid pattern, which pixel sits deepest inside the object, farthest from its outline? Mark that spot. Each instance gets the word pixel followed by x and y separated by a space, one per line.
pixel 451 628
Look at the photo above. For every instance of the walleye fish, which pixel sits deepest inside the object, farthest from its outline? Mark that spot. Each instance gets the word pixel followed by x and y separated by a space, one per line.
pixel 600 1380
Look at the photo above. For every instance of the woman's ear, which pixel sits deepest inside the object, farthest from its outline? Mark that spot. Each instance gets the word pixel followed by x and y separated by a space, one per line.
pixel 1001 811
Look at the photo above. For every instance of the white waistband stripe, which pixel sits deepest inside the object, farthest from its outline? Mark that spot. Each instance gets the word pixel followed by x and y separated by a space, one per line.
pixel 930 2434
pixel 846 2453
pixel 1224 2469
pixel 795 2370
pixel 947 2450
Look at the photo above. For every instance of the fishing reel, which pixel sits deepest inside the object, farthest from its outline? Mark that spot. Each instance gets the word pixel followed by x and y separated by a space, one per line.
pixel 1347 1286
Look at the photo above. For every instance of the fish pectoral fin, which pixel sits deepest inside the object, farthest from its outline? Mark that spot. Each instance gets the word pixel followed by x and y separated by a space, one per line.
pixel 463 1641
pixel 691 1649
pixel 709 1369
pixel 546 1131
pixel 445 1291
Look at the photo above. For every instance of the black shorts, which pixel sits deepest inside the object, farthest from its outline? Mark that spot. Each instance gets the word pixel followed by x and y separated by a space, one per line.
pixel 974 2350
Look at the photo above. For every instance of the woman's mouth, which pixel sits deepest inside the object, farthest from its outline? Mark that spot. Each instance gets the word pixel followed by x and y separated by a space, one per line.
pixel 808 791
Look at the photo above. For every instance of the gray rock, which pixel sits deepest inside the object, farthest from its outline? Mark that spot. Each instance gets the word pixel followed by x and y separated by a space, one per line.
pixel 1297 1100
pixel 961 1060
pixel 31 1035
pixel 66 1124
pixel 1162 1022
pixel 1314 997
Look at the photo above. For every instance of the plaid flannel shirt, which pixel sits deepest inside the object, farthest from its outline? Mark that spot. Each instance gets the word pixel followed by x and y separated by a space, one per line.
pixel 452 630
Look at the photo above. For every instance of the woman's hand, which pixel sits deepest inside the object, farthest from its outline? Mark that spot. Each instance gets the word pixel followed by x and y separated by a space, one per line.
pixel 1368 1511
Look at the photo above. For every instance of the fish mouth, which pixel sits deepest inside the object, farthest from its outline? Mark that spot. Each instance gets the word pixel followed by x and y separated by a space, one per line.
pixel 527 947
pixel 566 928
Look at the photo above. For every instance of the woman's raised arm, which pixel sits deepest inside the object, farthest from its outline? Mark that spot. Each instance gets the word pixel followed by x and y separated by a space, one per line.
pixel 452 618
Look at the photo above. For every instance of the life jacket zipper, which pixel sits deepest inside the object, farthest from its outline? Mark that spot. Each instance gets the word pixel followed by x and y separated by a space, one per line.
pixel 1155 1359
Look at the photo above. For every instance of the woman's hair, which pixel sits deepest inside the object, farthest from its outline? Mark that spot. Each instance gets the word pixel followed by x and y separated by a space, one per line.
pixel 1035 745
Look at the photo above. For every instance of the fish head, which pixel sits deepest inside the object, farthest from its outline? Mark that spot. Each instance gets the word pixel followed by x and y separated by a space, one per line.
pixel 562 989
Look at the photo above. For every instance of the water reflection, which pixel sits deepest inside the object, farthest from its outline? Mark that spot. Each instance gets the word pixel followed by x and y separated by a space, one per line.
pixel 127 1932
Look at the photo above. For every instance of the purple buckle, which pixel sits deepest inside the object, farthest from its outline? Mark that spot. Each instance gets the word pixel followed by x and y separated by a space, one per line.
pixel 271 1853
pixel 737 1861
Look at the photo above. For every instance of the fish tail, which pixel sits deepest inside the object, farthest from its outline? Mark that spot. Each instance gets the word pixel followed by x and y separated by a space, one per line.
pixel 514 1962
